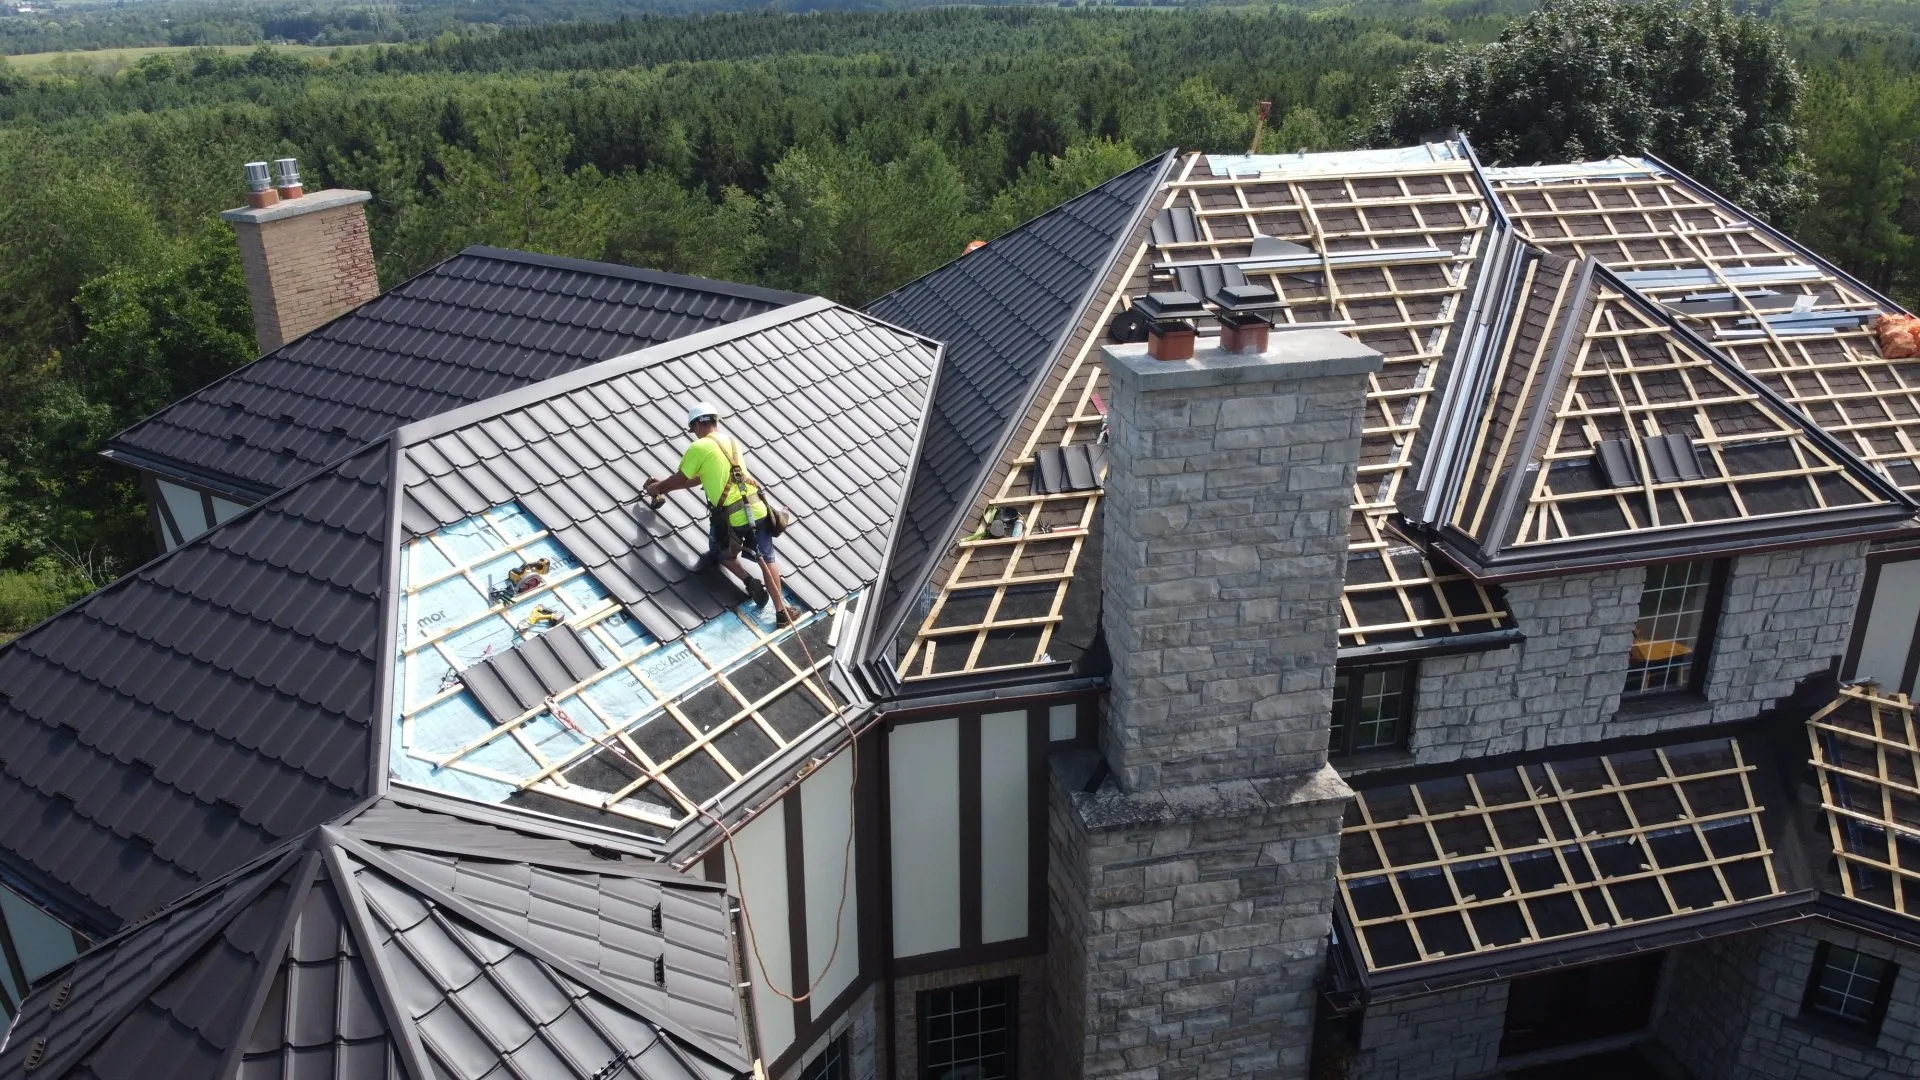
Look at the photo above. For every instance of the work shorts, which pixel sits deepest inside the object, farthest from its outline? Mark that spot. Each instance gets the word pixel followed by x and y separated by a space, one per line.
pixel 753 542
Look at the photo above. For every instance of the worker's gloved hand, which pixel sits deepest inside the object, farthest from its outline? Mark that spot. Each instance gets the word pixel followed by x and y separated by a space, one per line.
pixel 652 487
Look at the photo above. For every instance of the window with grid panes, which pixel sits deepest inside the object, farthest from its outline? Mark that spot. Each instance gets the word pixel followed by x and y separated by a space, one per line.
pixel 1372 709
pixel 831 1064
pixel 966 1033
pixel 1673 634
pixel 1848 988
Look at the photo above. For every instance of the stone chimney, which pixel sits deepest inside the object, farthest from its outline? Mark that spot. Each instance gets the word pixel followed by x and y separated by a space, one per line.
pixel 1193 885
pixel 306 255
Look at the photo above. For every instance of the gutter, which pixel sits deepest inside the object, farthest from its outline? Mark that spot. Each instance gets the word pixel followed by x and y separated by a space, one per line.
pixel 222 486
pixel 1421 648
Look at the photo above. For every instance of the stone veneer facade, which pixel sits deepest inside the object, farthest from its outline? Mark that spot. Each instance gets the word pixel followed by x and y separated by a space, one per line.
pixel 1729 1009
pixel 1191 891
pixel 1786 615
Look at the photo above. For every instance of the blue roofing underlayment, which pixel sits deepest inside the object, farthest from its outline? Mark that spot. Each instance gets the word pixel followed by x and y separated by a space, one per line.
pixel 482 323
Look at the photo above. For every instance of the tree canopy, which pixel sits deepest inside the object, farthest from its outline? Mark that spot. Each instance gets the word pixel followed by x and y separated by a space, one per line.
pixel 1709 91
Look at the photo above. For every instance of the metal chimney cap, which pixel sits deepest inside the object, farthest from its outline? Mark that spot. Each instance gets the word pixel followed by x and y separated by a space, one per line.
pixel 257 177
pixel 289 170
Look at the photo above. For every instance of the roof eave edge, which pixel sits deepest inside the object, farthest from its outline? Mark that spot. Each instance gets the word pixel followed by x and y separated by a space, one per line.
pixel 1500 965
pixel 1695 542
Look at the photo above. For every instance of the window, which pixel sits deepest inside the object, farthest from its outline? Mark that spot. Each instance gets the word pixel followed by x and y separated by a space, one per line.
pixel 1372 708
pixel 966 1033
pixel 1674 631
pixel 831 1064
pixel 1848 988
pixel 1573 1005
pixel 32 943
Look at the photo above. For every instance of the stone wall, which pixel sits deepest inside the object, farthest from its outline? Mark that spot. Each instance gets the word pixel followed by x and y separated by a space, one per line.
pixel 1193 928
pixel 1786 615
pixel 1452 1034
pixel 1228 494
pixel 1715 988
pixel 1734 1013
pixel 860 1025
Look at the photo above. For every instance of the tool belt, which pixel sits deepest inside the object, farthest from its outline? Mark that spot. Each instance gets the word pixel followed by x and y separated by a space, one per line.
pixel 775 515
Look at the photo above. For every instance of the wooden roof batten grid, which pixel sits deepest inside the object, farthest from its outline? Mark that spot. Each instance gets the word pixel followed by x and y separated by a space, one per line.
pixel 1642 218
pixel 1528 813
pixel 1606 371
pixel 1406 309
pixel 616 735
pixel 1865 748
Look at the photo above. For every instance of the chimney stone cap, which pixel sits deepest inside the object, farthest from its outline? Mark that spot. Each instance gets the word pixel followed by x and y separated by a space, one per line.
pixel 306 204
pixel 1291 355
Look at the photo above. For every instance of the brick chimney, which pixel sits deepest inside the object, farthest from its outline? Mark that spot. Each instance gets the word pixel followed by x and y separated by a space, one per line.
pixel 306 255
pixel 1193 885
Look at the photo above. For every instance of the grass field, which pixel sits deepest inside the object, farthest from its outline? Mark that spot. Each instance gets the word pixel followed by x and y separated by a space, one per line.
pixel 114 59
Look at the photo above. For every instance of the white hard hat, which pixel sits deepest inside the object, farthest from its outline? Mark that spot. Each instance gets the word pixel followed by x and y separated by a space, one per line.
pixel 700 409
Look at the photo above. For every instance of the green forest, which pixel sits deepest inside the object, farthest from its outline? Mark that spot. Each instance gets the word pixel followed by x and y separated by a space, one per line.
pixel 840 153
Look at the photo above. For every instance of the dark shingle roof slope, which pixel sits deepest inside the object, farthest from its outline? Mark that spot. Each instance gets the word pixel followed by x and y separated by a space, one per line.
pixel 824 402
pixel 697 688
pixel 479 324
pixel 222 699
pixel 1004 312
pixel 201 710
pixel 384 945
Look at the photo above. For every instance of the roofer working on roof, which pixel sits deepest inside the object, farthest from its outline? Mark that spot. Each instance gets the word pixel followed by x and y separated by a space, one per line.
pixel 739 517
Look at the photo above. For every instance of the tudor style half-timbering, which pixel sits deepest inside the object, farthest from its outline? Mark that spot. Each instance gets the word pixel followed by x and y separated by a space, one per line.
pixel 1441 682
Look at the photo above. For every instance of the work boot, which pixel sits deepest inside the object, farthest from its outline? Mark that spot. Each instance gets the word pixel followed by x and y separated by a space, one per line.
pixel 757 593
pixel 783 618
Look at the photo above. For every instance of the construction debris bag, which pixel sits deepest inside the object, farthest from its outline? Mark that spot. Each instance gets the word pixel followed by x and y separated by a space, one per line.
pixel 1899 336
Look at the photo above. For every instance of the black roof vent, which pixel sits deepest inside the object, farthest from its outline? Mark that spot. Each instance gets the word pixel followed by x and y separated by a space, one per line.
pixel 659 971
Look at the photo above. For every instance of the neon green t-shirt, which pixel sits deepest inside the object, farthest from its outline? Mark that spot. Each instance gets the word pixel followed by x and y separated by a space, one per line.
pixel 707 460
